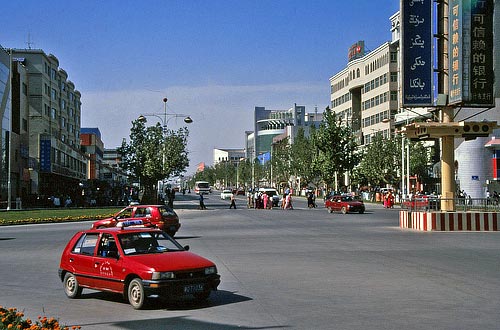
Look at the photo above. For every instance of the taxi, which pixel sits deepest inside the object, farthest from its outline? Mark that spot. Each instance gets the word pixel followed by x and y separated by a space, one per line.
pixel 136 262
pixel 160 216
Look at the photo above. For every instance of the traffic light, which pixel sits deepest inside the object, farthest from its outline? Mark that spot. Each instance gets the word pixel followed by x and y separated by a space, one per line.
pixel 471 130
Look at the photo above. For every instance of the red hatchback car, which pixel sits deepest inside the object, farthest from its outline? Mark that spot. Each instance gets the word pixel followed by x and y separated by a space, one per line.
pixel 135 262
pixel 160 216
pixel 344 204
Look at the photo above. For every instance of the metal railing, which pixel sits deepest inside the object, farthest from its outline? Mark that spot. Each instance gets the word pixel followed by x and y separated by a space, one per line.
pixel 431 204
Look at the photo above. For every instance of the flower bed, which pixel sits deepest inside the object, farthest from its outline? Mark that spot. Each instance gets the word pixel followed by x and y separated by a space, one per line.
pixel 11 318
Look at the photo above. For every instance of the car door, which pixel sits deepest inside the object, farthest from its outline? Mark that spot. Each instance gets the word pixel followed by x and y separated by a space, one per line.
pixel 81 259
pixel 107 265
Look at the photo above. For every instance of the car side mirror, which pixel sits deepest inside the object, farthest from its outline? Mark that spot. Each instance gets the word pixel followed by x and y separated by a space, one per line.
pixel 186 247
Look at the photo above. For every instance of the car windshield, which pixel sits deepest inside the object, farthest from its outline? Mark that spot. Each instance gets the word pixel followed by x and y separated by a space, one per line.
pixel 347 198
pixel 147 242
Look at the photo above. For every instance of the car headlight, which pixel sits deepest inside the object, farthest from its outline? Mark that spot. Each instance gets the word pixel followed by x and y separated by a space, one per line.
pixel 163 275
pixel 210 270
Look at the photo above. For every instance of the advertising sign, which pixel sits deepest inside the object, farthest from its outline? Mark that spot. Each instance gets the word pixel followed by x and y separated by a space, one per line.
pixel 45 163
pixel 417 46
pixel 471 53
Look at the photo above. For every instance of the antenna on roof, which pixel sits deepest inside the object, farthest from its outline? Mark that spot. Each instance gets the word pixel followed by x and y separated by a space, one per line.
pixel 29 43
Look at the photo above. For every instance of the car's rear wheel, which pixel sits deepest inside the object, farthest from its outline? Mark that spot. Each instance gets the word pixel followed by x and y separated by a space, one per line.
pixel 343 210
pixel 361 211
pixel 136 295
pixel 71 287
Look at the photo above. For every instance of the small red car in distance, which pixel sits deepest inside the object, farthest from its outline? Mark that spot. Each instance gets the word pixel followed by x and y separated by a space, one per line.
pixel 135 262
pixel 160 216
pixel 344 204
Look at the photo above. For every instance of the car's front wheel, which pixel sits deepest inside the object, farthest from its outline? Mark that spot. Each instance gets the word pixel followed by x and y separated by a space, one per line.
pixel 330 210
pixel 71 287
pixel 343 210
pixel 136 295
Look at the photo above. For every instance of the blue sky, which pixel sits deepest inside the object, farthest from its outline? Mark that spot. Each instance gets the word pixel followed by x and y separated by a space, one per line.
pixel 215 60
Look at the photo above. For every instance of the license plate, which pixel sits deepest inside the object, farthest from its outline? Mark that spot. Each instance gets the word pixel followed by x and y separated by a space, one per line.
pixel 194 288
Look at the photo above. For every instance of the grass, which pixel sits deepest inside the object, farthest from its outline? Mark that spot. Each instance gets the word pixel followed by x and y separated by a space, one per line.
pixel 18 217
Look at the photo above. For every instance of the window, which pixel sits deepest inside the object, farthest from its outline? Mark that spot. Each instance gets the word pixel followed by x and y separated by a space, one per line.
pixel 53 113
pixel 25 89
pixel 53 94
pixel 394 77
pixel 394 57
pixel 86 244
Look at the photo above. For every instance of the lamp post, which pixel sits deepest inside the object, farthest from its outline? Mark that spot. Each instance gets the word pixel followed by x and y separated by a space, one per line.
pixel 163 117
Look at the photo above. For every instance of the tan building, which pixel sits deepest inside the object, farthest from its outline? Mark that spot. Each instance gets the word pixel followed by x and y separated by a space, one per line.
pixel 55 161
pixel 365 93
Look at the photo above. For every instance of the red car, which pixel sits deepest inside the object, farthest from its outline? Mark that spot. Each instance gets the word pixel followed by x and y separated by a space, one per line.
pixel 160 216
pixel 344 204
pixel 135 262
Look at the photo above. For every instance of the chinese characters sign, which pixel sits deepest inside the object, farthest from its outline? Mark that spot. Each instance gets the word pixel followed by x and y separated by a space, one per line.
pixel 471 53
pixel 416 17
pixel 45 163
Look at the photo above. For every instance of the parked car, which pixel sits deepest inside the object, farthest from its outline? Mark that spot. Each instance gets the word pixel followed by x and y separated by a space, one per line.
pixel 273 193
pixel 134 262
pixel 160 216
pixel 344 204
pixel 226 193
pixel 240 191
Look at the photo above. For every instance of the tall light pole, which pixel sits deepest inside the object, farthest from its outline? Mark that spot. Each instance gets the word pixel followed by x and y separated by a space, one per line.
pixel 163 117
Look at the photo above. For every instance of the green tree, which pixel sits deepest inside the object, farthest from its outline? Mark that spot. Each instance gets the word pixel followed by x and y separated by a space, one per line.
pixel 152 156
pixel 336 148
pixel 280 162
pixel 381 163
pixel 302 155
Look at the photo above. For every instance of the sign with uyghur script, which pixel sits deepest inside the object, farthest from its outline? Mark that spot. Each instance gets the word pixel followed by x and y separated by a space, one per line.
pixel 471 53
pixel 417 46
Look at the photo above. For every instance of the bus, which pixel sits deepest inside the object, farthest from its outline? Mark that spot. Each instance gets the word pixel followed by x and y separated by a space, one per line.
pixel 202 187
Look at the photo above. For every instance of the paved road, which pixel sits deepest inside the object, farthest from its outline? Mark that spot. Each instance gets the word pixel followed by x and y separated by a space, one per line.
pixel 298 269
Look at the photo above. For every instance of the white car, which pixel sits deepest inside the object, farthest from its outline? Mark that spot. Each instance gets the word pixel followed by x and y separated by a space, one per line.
pixel 226 193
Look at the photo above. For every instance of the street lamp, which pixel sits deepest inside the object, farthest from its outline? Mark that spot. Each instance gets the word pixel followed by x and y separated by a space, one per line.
pixel 163 117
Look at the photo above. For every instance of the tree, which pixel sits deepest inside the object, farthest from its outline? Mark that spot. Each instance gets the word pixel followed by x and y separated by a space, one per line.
pixel 302 154
pixel 381 163
pixel 153 155
pixel 281 161
pixel 336 148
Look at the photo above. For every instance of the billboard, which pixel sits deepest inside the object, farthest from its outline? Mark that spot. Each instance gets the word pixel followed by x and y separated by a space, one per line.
pixel 417 50
pixel 471 76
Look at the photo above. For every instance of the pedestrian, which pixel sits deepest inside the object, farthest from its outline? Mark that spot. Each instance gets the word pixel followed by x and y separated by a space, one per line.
pixel 202 204
pixel 288 202
pixel 264 200
pixel 233 202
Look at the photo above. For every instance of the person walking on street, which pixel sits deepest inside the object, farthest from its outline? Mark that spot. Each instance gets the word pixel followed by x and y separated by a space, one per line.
pixel 202 204
pixel 233 202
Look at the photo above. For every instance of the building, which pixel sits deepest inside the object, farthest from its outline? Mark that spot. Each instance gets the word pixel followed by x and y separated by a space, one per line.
pixel 269 124
pixel 56 165
pixel 232 156
pixel 14 114
pixel 93 147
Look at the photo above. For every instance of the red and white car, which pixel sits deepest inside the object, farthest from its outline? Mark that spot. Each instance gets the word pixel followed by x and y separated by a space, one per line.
pixel 160 216
pixel 135 262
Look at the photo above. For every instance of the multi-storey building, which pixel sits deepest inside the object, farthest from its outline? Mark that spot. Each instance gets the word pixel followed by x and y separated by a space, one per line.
pixel 232 156
pixel 56 164
pixel 364 95
pixel 268 124
pixel 14 139
pixel 93 147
